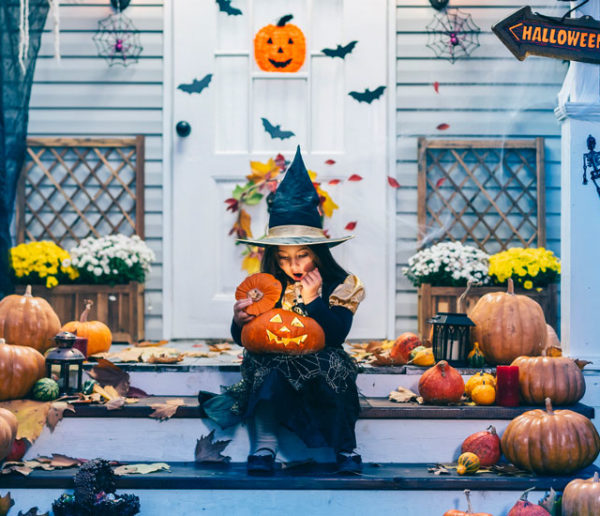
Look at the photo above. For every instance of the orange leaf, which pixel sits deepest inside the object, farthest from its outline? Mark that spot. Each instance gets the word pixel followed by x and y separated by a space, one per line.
pixel 243 225
pixel 440 182
pixel 167 409
pixel 350 226
pixel 393 183
pixel 443 127
pixel 355 177
pixel 334 182
pixel 31 416
pixel 330 162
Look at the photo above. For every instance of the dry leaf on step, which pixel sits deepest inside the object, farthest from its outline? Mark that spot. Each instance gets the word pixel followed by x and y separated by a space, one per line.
pixel 31 416
pixel 115 403
pixel 126 355
pixel 107 373
pixel 141 469
pixel 167 409
pixel 62 461
pixel 148 344
pixel 19 467
pixel 33 512
pixel 164 358
pixel 219 348
pixel 209 451
pixel 382 359
pixel 403 395
pixel 6 502
pixel 55 414
pixel 438 469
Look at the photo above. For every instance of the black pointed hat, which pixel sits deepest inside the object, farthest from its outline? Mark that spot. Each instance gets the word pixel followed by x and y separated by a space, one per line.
pixel 294 217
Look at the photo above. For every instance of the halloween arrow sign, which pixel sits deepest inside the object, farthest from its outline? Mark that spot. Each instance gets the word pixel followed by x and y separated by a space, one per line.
pixel 525 33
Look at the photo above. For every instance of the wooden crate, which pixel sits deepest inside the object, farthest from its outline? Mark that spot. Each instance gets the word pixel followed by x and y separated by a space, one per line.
pixel 432 300
pixel 121 307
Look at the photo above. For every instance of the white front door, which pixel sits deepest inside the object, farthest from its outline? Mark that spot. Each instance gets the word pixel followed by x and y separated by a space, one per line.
pixel 224 112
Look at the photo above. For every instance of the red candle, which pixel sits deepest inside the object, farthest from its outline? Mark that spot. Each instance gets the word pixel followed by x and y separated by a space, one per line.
pixel 507 386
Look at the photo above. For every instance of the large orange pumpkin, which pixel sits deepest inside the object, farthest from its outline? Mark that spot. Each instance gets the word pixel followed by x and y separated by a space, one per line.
pixel 508 326
pixel 581 497
pixel 264 290
pixel 557 378
pixel 441 384
pixel 20 368
pixel 551 441
pixel 281 47
pixel 28 321
pixel 97 333
pixel 283 331
pixel 8 431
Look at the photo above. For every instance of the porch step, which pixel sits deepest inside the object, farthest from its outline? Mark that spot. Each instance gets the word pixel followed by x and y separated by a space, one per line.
pixel 385 432
pixel 314 489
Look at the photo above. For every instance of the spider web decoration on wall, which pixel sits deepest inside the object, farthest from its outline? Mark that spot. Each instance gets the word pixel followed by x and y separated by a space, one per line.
pixel 117 40
pixel 452 34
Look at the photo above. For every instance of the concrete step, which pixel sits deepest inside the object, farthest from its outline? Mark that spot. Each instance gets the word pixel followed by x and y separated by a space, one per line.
pixel 188 489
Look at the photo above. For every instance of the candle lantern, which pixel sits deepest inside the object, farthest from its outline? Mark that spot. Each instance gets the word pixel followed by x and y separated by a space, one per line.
pixel 69 361
pixel 451 337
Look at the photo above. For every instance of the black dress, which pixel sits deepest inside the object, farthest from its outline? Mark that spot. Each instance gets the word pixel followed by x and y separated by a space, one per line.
pixel 313 395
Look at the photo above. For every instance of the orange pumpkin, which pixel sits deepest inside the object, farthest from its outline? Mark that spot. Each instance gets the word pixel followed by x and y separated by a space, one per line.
pixel 580 497
pixel 281 47
pixel 28 321
pixel 264 290
pixel 469 511
pixel 20 368
pixel 97 333
pixel 283 331
pixel 441 384
pixel 8 432
pixel 402 347
pixel 508 326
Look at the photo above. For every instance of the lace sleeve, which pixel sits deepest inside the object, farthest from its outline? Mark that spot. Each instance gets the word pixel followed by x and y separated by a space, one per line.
pixel 348 294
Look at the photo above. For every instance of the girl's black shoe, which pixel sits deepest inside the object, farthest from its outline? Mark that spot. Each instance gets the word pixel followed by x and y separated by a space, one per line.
pixel 348 464
pixel 263 463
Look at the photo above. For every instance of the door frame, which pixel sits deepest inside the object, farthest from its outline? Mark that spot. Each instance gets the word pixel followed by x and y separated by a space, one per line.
pixel 169 262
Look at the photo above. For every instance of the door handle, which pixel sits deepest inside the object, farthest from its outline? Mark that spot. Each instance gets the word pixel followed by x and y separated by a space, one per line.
pixel 183 128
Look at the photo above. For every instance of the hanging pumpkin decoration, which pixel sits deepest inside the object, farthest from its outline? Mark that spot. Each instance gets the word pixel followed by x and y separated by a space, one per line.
pixel 8 432
pixel 283 331
pixel 264 290
pixel 402 347
pixel 469 512
pixel 441 384
pixel 508 326
pixel 468 463
pixel 558 378
pixel 524 507
pixel 475 358
pixel 581 497
pixel 485 444
pixel 551 441
pixel 97 333
pixel 20 368
pixel 281 47
pixel 28 321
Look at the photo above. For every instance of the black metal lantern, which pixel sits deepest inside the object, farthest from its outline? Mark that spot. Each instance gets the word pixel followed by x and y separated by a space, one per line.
pixel 69 360
pixel 451 337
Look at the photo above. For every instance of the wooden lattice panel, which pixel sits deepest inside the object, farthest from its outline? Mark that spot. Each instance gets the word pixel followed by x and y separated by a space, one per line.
pixel 486 193
pixel 72 188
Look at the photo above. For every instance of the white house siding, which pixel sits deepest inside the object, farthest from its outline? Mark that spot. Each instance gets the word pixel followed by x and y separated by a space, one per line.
pixel 490 94
pixel 82 96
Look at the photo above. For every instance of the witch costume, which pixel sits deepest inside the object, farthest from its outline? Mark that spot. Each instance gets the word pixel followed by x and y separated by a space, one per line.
pixel 314 395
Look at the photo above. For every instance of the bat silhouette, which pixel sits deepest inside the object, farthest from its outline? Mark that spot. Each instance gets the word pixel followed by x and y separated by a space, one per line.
pixel 340 51
pixel 196 86
pixel 367 96
pixel 275 130
pixel 225 7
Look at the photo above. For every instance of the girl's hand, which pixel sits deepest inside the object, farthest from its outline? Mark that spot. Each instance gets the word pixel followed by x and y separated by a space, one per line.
pixel 310 285
pixel 240 317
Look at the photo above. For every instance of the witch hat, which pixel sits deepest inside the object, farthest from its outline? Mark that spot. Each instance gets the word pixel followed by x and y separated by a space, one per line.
pixel 294 217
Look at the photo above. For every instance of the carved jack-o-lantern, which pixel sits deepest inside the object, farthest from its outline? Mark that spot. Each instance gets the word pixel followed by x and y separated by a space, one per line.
pixel 283 331
pixel 280 48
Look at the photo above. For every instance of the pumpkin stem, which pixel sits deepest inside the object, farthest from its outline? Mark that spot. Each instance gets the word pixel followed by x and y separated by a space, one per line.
pixel 492 430
pixel 469 506
pixel 511 287
pixel 461 305
pixel 28 291
pixel 549 406
pixel 442 365
pixel 526 492
pixel 255 295
pixel 86 312
pixel 284 19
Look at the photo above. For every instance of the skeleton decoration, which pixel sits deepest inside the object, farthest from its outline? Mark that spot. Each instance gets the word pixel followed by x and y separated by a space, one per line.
pixel 591 160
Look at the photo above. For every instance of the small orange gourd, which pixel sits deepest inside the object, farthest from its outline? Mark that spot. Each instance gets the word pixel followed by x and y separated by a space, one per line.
pixel 484 394
pixel 264 290
pixel 468 463
pixel 469 511
pixel 97 333
pixel 478 379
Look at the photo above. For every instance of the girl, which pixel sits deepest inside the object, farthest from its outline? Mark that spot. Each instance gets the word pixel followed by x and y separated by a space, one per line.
pixel 314 395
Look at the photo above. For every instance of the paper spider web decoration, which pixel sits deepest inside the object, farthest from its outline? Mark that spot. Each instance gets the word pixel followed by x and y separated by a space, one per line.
pixel 117 40
pixel 452 34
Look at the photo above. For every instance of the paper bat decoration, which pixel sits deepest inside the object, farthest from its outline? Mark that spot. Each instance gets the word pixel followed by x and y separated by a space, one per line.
pixel 340 51
pixel 196 86
pixel 368 96
pixel 225 7
pixel 275 130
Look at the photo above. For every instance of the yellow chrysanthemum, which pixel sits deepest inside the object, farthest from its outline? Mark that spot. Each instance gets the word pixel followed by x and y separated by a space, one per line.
pixel 43 259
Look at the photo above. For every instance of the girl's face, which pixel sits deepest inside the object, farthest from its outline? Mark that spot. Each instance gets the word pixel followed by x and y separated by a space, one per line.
pixel 296 260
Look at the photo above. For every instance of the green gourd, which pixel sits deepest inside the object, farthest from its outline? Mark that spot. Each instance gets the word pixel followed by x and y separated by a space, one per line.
pixel 45 389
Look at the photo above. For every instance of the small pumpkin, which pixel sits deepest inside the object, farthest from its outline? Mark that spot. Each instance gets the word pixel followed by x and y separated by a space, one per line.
pixel 20 368
pixel 456 512
pixel 402 347
pixel 468 463
pixel 97 333
pixel 484 394
pixel 45 389
pixel 551 441
pixel 524 507
pixel 475 358
pixel 28 321
pixel 264 290
pixel 582 497
pixel 281 47
pixel 484 444
pixel 557 378
pixel 283 331
pixel 477 379
pixel 441 384
pixel 8 432
pixel 508 326
pixel 422 356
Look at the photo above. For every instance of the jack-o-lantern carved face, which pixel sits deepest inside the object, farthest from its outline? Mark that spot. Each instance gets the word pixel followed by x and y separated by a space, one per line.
pixel 282 331
pixel 280 48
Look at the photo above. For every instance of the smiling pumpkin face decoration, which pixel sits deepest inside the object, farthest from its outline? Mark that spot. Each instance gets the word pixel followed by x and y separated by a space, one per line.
pixel 281 47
